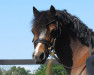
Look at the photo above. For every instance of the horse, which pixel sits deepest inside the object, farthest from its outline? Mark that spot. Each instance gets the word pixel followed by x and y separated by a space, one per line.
pixel 71 39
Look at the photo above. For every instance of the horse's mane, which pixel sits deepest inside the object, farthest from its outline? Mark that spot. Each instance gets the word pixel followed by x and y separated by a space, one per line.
pixel 77 29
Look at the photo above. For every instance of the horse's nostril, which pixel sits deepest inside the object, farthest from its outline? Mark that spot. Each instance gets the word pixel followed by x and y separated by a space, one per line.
pixel 42 56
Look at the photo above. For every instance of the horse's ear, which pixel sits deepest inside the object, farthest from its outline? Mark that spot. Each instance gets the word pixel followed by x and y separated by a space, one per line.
pixel 52 10
pixel 35 11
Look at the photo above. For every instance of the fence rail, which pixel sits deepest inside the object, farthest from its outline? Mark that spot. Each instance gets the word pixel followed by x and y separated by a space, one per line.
pixel 22 62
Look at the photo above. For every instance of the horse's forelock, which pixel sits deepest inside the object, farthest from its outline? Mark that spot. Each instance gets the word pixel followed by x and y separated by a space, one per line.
pixel 41 21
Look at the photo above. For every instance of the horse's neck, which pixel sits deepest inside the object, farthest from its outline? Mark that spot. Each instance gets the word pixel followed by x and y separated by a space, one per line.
pixel 79 51
pixel 71 53
pixel 80 54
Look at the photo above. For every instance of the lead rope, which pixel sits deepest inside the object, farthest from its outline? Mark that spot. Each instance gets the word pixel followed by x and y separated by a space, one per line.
pixel 48 71
pixel 57 59
pixel 82 70
pixel 67 66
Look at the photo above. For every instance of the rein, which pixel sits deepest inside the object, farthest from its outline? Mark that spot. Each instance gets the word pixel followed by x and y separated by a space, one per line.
pixel 67 66
pixel 57 59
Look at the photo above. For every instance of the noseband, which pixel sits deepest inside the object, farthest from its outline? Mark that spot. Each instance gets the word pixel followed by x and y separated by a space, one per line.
pixel 45 42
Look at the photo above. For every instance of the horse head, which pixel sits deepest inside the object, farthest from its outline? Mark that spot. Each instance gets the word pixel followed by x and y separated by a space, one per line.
pixel 45 30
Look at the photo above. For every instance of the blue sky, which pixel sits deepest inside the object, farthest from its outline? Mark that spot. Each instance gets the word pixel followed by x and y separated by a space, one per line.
pixel 15 23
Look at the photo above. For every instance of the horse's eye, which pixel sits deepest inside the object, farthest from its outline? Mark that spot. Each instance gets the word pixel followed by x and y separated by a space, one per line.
pixel 53 32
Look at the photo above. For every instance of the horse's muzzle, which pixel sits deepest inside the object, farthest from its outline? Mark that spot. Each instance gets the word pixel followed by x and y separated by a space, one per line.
pixel 40 58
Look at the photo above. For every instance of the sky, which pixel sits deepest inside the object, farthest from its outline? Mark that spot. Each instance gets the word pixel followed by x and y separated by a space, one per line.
pixel 16 22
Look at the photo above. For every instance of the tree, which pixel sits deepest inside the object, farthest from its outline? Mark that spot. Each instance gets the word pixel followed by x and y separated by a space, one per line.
pixel 41 70
pixel 56 70
pixel 1 72
pixel 17 71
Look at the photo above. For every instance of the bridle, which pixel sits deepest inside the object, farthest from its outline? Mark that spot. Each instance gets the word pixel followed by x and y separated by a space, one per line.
pixel 51 45
pixel 46 42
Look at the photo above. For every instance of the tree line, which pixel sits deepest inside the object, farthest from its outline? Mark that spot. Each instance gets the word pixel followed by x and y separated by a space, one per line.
pixel 55 70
